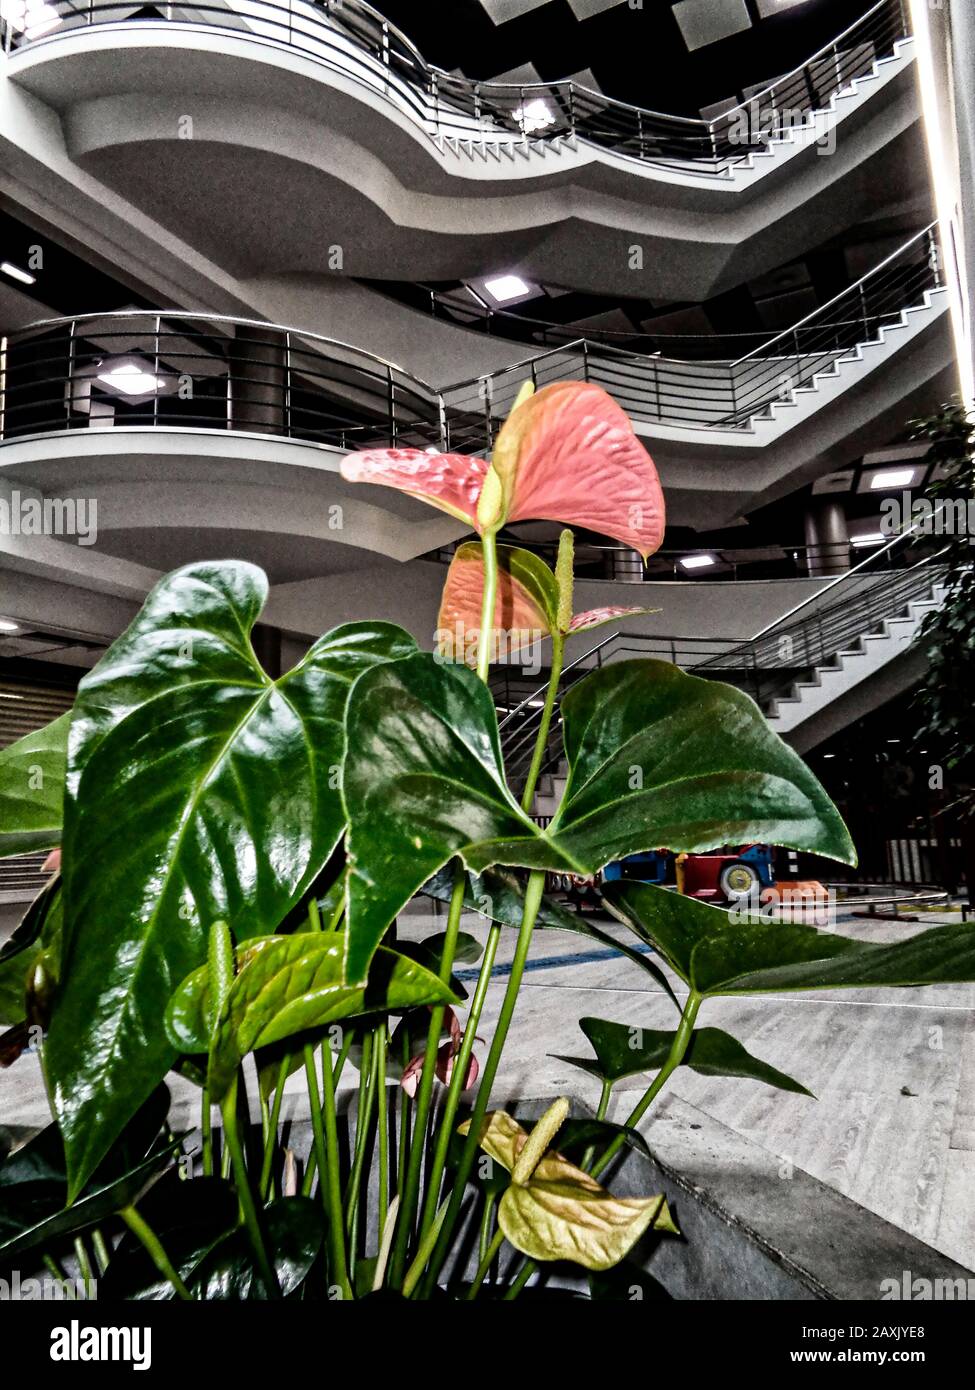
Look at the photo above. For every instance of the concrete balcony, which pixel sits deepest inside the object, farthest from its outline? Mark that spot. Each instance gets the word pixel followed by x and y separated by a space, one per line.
pixel 424 175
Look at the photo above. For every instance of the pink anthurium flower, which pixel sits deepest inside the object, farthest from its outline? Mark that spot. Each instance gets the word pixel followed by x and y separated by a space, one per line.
pixel 526 610
pixel 566 453
pixel 446 1054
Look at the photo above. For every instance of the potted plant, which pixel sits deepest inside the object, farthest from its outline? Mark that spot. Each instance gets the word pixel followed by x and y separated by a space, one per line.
pixel 234 854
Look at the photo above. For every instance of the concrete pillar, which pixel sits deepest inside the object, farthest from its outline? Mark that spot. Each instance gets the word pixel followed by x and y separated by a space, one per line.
pixel 258 381
pixel 828 538
pixel 625 566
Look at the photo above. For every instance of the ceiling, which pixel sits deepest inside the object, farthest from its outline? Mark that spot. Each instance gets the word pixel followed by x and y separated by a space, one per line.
pixel 634 50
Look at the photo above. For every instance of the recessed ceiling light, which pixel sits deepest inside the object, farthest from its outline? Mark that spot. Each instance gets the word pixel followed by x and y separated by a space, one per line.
pixel 8 625
pixel 829 755
pixel 875 538
pixel 697 562
pixel 131 379
pixel 15 273
pixel 892 477
pixel 534 115
pixel 503 288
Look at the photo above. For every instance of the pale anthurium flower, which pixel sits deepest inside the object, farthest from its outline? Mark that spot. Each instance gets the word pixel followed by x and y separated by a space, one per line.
pixel 566 453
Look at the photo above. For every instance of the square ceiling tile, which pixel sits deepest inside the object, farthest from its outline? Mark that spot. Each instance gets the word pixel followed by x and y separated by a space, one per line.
pixel 768 8
pixel 585 9
pixel 500 11
pixel 707 21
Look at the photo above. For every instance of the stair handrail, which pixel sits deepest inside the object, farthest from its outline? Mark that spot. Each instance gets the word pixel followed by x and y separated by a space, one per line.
pixel 733 646
pixel 433 79
pixel 848 574
pixel 820 310
pixel 815 57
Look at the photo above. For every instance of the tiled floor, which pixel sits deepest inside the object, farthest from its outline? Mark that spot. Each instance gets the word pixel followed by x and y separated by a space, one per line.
pixel 893 1125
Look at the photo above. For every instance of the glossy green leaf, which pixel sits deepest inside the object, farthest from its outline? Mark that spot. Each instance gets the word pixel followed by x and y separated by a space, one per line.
pixel 198 789
pixel 32 777
pixel 657 759
pixel 190 1218
pixel 624 1050
pixel 33 1181
pixel 716 954
pixel 297 983
pixel 423 780
pixel 661 759
pixel 293 1229
pixel 187 1016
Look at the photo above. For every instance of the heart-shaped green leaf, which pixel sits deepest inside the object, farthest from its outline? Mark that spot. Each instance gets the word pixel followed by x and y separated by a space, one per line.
pixel 297 983
pixel 657 759
pixel 672 761
pixel 33 1181
pixel 32 776
pixel 294 1229
pixel 187 1017
pixel 198 789
pixel 623 1050
pixel 717 954
pixel 560 1212
pixel 190 1218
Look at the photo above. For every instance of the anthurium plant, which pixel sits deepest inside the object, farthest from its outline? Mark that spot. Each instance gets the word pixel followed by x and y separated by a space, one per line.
pixel 234 852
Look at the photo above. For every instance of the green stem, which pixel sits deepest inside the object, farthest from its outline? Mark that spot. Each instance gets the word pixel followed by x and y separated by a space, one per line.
pixel 84 1266
pixel 518 1283
pixel 601 1109
pixel 423 1254
pixel 206 1126
pixel 487 1260
pixel 404 1110
pixel 458 1076
pixel 327 1156
pixel 102 1254
pixel 154 1248
pixel 53 1268
pixel 533 899
pixel 485 638
pixel 383 1126
pixel 367 1094
pixel 411 1190
pixel 486 1220
pixel 272 1128
pixel 248 1209
pixel 682 1038
pixel 541 738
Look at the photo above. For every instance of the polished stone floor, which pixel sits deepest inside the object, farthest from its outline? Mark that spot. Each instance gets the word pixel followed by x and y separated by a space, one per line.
pixel 893 1125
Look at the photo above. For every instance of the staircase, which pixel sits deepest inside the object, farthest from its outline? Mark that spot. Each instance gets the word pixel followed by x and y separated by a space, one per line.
pixel 752 401
pixel 829 645
pixel 854 664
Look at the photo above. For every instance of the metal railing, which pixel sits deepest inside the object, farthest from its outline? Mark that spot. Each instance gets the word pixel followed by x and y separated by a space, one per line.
pixel 714 394
pixel 173 368
pixel 609 561
pixel 811 634
pixel 354 39
pixel 137 368
pixel 176 368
